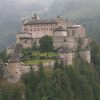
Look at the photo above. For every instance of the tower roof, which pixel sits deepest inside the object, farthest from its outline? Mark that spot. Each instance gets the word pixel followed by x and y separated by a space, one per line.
pixel 35 17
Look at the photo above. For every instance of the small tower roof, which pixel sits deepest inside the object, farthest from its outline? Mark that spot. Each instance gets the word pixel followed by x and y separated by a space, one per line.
pixel 35 17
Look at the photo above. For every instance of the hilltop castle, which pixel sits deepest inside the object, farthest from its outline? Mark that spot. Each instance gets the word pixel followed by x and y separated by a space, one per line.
pixel 64 33
pixel 67 37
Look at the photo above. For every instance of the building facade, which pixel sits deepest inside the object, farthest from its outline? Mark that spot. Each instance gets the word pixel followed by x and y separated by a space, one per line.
pixel 36 28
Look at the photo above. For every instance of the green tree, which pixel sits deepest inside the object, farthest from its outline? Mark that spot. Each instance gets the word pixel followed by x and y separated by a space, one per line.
pixel 4 57
pixel 79 46
pixel 95 53
pixel 11 91
pixel 41 71
pixel 46 44
pixel 34 47
pixel 26 53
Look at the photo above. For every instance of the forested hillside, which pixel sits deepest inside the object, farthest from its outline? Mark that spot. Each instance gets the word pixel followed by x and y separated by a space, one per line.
pixel 81 81
pixel 84 12
pixel 78 82
pixel 11 16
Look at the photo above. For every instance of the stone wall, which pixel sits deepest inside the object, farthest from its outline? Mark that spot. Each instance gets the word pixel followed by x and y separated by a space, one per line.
pixel 67 57
pixel 76 31
pixel 60 33
pixel 14 70
pixel 67 42
pixel 86 55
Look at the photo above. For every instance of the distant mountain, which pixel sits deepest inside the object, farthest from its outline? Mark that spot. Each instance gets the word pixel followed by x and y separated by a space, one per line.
pixel 75 8
pixel 86 12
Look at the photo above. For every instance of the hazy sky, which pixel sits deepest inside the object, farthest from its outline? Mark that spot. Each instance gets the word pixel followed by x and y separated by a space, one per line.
pixel 45 2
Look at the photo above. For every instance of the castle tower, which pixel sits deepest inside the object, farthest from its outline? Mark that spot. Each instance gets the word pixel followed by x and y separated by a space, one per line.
pixel 13 68
pixel 13 72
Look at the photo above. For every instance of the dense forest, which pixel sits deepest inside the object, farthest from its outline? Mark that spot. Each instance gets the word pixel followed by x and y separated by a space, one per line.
pixel 81 81
pixel 85 12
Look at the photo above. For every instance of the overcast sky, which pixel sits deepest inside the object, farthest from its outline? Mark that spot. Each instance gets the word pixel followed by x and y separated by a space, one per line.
pixel 44 2
pixel 41 1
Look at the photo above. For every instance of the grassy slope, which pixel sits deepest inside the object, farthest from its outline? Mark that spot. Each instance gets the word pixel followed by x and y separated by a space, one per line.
pixel 41 57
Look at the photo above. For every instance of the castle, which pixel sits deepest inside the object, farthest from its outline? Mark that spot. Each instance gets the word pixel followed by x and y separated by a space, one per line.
pixel 64 33
pixel 65 36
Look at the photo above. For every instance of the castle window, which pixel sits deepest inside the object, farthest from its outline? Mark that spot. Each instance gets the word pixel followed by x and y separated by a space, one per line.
pixel 25 29
pixel 64 40
pixel 72 32
pixel 25 41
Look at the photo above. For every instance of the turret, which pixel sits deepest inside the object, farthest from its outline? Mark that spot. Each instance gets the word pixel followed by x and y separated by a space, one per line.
pixel 35 17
